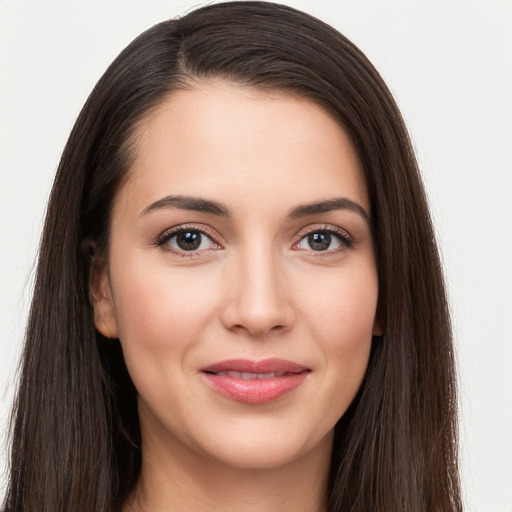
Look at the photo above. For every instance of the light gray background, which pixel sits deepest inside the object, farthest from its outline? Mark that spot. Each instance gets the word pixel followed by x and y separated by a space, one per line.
pixel 449 65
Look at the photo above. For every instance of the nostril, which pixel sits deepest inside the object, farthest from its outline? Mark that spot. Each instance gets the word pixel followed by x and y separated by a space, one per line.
pixel 257 327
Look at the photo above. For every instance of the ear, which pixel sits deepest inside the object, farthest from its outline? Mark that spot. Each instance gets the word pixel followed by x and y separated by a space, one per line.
pixel 377 328
pixel 101 296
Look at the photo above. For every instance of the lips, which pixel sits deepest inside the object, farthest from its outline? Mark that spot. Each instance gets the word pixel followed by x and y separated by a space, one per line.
pixel 249 375
pixel 255 382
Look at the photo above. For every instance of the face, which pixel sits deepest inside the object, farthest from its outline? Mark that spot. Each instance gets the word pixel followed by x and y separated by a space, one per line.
pixel 241 278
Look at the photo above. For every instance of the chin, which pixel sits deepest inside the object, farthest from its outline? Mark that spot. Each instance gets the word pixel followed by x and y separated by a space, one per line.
pixel 264 447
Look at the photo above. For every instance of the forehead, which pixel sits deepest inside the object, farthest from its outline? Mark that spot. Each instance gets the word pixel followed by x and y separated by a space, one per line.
pixel 237 143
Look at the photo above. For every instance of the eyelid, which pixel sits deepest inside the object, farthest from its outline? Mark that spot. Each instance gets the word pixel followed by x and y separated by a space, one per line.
pixel 164 237
pixel 343 235
pixel 346 239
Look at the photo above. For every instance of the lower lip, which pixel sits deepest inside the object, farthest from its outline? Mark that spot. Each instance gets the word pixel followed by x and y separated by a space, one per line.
pixel 255 391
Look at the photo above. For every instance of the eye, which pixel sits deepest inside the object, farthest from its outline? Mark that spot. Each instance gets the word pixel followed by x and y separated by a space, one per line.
pixel 187 240
pixel 323 240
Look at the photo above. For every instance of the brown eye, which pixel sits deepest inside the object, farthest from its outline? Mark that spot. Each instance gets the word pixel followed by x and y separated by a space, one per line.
pixel 324 240
pixel 319 241
pixel 189 240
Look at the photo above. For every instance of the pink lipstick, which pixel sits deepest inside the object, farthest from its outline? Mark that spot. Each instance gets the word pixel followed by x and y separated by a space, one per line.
pixel 255 382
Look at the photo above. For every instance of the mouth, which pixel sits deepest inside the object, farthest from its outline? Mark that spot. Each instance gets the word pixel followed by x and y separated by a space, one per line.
pixel 248 375
pixel 255 382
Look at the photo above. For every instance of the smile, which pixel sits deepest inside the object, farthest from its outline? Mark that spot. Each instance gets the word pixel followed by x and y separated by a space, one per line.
pixel 255 382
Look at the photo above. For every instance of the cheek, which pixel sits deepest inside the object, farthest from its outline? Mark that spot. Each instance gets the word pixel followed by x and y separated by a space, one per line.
pixel 343 306
pixel 341 317
pixel 159 308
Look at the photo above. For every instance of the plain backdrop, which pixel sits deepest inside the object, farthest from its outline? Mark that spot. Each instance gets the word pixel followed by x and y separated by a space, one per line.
pixel 449 64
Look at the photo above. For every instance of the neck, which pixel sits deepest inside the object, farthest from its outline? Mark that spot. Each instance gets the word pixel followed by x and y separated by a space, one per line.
pixel 174 479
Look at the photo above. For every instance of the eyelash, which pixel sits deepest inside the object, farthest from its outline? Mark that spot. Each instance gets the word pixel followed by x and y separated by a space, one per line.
pixel 345 240
pixel 168 235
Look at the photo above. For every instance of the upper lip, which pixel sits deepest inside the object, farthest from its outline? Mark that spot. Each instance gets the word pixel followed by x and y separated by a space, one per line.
pixel 249 366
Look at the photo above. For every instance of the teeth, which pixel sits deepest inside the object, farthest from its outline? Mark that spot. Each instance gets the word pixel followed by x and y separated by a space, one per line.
pixel 248 375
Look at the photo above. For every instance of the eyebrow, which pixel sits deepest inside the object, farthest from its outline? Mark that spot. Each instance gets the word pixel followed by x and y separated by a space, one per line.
pixel 194 204
pixel 337 203
pixel 198 204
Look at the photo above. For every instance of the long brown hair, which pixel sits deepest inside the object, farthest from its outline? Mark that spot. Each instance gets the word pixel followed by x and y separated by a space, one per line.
pixel 75 431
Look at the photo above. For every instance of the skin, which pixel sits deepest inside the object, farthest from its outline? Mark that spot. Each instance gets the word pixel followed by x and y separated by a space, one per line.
pixel 255 289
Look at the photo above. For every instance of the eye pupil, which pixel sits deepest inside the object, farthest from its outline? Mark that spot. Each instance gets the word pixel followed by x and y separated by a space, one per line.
pixel 188 240
pixel 319 241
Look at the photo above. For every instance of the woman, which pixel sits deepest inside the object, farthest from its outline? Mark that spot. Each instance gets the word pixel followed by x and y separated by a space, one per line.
pixel 239 303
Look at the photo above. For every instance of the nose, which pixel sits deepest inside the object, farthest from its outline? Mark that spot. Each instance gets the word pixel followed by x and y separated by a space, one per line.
pixel 256 296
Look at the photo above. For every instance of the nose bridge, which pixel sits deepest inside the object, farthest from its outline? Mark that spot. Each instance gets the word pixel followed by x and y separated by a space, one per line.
pixel 258 302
